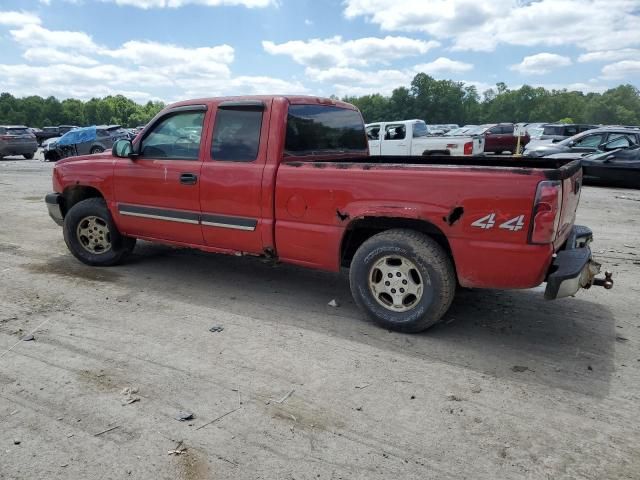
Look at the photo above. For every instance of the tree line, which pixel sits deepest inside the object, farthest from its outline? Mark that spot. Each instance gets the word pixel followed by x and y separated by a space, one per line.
pixel 35 111
pixel 447 101
pixel 434 101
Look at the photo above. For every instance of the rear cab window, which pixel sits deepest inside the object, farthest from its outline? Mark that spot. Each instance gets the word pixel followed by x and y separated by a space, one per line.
pixel 323 129
pixel 420 130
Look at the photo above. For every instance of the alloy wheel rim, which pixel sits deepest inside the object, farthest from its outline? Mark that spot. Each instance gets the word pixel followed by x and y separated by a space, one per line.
pixel 94 235
pixel 396 283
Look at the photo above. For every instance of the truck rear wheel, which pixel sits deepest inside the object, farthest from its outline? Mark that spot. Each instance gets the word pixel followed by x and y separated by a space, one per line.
pixel 403 280
pixel 91 235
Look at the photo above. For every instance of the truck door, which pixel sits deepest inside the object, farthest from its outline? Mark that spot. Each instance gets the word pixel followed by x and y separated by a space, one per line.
pixel 396 139
pixel 492 139
pixel 373 136
pixel 231 177
pixel 507 138
pixel 157 192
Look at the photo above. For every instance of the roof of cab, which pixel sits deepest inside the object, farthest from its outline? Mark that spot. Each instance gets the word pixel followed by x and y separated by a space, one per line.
pixel 292 99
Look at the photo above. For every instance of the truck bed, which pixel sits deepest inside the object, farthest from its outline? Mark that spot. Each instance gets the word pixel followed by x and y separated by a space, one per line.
pixel 550 168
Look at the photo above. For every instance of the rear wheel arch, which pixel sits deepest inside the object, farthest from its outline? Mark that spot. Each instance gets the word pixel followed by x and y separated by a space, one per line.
pixel 363 228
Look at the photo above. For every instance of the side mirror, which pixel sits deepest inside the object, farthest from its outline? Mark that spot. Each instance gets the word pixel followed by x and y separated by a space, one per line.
pixel 122 148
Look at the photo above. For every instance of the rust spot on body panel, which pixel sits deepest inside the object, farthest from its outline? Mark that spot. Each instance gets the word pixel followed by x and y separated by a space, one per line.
pixel 454 215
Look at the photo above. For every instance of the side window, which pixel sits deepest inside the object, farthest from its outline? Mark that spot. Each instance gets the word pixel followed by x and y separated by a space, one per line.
pixel 373 132
pixel 507 129
pixel 495 130
pixel 570 131
pixel 395 132
pixel 590 141
pixel 236 135
pixel 618 140
pixel 176 136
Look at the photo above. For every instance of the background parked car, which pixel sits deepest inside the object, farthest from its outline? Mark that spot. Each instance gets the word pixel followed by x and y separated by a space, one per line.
pixel 50 132
pixel 500 137
pixel 559 131
pixel 17 140
pixel 587 142
pixel 104 138
pixel 617 168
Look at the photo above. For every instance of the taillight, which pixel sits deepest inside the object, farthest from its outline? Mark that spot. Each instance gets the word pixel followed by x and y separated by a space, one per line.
pixel 468 148
pixel 546 212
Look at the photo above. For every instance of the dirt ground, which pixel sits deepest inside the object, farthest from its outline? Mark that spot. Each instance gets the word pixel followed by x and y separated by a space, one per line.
pixel 509 386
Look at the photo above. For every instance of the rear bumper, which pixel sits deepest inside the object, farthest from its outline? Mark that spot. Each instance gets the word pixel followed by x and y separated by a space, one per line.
pixel 573 267
pixel 53 205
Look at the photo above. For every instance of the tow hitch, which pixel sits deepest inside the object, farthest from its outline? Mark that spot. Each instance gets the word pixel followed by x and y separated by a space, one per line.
pixel 606 282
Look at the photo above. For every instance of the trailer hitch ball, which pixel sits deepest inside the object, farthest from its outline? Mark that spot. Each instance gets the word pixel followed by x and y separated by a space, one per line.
pixel 606 282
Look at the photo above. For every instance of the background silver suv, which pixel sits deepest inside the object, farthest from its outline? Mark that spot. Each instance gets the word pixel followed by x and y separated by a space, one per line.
pixel 17 140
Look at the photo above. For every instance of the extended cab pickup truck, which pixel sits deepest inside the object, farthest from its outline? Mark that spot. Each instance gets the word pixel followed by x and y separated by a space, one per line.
pixel 290 178
pixel 411 137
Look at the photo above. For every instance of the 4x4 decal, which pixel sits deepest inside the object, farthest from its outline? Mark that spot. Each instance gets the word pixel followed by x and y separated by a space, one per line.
pixel 489 221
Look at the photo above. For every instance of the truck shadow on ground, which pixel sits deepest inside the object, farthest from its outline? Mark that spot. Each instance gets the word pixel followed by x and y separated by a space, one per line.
pixel 567 344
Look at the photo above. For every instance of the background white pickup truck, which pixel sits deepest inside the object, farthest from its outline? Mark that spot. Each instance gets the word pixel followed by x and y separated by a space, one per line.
pixel 411 137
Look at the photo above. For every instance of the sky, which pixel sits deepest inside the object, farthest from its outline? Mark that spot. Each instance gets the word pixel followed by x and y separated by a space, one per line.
pixel 178 49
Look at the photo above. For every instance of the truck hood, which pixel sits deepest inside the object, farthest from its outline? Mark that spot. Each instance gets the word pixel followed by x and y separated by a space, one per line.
pixel 106 155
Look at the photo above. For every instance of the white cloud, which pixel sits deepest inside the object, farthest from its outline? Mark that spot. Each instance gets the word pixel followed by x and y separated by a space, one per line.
pixel 610 55
pixel 541 63
pixel 481 26
pixel 348 80
pixel 147 4
pixel 336 52
pixel 17 19
pixel 33 35
pixel 443 65
pixel 71 64
pixel 175 60
pixel 623 69
pixel 52 56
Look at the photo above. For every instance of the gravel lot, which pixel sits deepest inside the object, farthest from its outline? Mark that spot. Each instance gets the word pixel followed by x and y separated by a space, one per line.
pixel 509 386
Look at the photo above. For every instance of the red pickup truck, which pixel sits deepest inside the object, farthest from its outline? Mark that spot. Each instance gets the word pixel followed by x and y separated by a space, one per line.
pixel 289 177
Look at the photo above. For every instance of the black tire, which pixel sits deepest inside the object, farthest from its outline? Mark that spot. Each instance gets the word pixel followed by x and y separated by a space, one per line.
pixel 120 246
pixel 498 152
pixel 431 261
pixel 96 150
pixel 28 156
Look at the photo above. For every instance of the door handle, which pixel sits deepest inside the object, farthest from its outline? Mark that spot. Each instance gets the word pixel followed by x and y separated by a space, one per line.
pixel 188 178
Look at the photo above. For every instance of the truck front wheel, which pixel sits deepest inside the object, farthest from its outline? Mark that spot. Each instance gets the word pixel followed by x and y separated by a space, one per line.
pixel 91 235
pixel 403 280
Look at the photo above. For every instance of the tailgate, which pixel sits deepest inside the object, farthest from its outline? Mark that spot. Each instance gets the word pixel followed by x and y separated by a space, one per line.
pixel 571 187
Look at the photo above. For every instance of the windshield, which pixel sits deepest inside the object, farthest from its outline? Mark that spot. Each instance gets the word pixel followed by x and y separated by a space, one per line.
pixel 313 129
